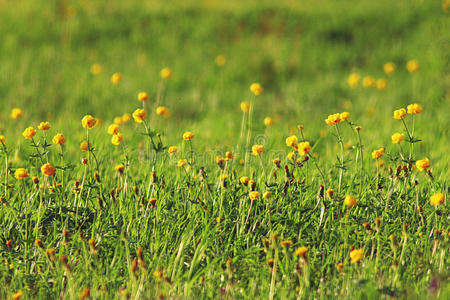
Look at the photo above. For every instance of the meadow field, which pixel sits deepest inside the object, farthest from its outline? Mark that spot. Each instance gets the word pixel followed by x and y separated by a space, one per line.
pixel 224 149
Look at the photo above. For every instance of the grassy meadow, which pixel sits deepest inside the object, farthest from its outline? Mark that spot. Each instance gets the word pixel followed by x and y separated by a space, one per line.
pixel 224 149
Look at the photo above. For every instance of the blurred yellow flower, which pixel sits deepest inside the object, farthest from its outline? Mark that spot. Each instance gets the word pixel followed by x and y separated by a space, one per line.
pixel 399 113
pixel 16 113
pixel 17 295
pixel 389 68
pixel 84 146
pixel 353 80
pixel 2 139
pixel 291 141
pixel 48 169
pixel 117 139
pixel 181 163
pixel 268 121
pixel 356 255
pixel 414 108
pixel 368 81
pixel 172 149
pixel 139 115
pixel 376 154
pixel 221 60
pixel 188 136
pixel 257 150
pixel 254 195
pixel 244 180
pixel 333 119
pixel 59 139
pixel 344 116
pixel 413 66
pixel 437 199
pixel 29 133
pixel 381 84
pixel 290 156
pixel 88 122
pixel 113 129
pixel 165 73
pixel 350 201
pixel 267 195
pixel 116 78
pixel 126 118
pixel 118 120
pixel 44 126
pixel 96 69
pixel 142 96
pixel 119 168
pixel 304 148
pixel 397 137
pixel 161 110
pixel 423 164
pixel 301 251
pixel 21 173
pixel 256 88
pixel 245 107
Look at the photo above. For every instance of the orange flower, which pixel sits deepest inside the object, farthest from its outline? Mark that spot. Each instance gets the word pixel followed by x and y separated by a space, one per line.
pixel 88 122
pixel 188 136
pixel 139 115
pixel 48 169
pixel 29 133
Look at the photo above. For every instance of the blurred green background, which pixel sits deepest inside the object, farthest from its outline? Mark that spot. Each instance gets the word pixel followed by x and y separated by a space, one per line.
pixel 301 52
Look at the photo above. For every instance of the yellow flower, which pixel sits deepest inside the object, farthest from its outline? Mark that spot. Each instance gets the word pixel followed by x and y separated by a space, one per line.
pixel 368 81
pixel 333 119
pixel 221 60
pixel 414 108
pixel 2 139
pixel 267 195
pixel 254 195
pixel 301 251
pixel 119 168
pixel 257 150
pixel 165 73
pixel 304 148
pixel 188 136
pixel 268 121
pixel 113 129
pixel 172 149
pixel 286 243
pixel 350 201
pixel 96 69
pixel 245 107
pixel 353 80
pixel 376 154
pixel 181 163
pixel 117 139
pixel 437 199
pixel 139 115
pixel 344 116
pixel 118 120
pixel 291 141
pixel 84 146
pixel 126 118
pixel 142 96
pixel 413 66
pixel 29 132
pixel 16 113
pixel 88 122
pixel 397 137
pixel 161 110
pixel 116 78
pixel 290 156
pixel 48 169
pixel 399 113
pixel 244 180
pixel 59 139
pixel 44 126
pixel 389 68
pixel 423 164
pixel 330 193
pixel 356 255
pixel 21 173
pixel 256 88
pixel 381 84
pixel 17 295
pixel 228 155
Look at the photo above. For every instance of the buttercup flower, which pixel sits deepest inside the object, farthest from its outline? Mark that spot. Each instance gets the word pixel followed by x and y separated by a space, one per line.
pixel 368 81
pixel 126 118
pixel 96 69
pixel 165 73
pixel 257 150
pixel 350 201
pixel 254 195
pixel 29 133
pixel 188 136
pixel 291 141
pixel 356 255
pixel 181 163
pixel 84 146
pixel 44 126
pixel 116 78
pixel 48 169
pixel 301 251
pixel 333 119
pixel 88 122
pixel 118 120
pixel 119 168
pixel 399 113
pixel 2 139
pixel 228 155
pixel 304 148
pixel 414 108
pixel 376 154
pixel 16 113
pixel 353 80
pixel 117 139
pixel 423 164
pixel 413 66
pixel 113 129
pixel 139 115
pixel 330 193
pixel 221 60
pixel 397 137
pixel 172 149
pixel 381 84
pixel 389 68
pixel 268 121
pixel 245 107
pixel 142 96
pixel 244 180
pixel 437 199
pixel 161 110
pixel 344 116
pixel 21 173
pixel 256 88
pixel 59 139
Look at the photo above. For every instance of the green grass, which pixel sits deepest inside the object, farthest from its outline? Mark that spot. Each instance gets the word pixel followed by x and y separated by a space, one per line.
pixel 197 240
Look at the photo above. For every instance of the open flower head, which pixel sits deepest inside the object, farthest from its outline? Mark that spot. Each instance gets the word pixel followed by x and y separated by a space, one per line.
pixel 350 201
pixel 142 96
pixel 256 88
pixel 113 129
pixel 29 133
pixel 301 251
pixel 378 153
pixel 397 137
pixel 188 136
pixel 44 126
pixel 268 121
pixel 139 115
pixel 172 149
pixel 88 122
pixel 254 195
pixel 59 139
pixel 414 108
pixel 2 140
pixel 21 173
pixel 292 141
pixel 117 139
pixel 333 119
pixel 16 113
pixel 423 164
pixel 437 199
pixel 399 113
pixel 257 150
pixel 356 255
pixel 48 169
pixel 116 78
pixel 181 163
pixel 84 146
pixel 304 148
